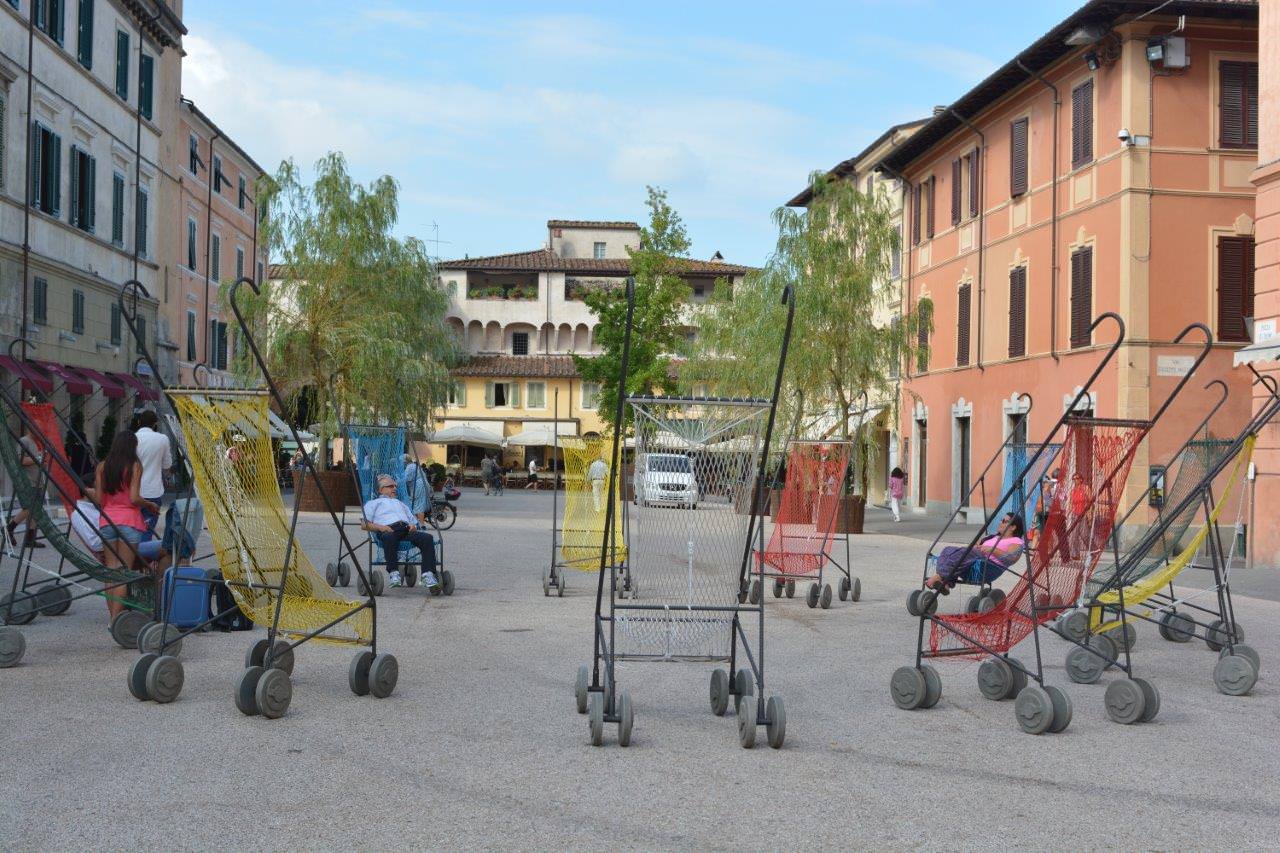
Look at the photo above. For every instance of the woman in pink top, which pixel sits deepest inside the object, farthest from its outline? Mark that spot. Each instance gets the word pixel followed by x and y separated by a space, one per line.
pixel 995 554
pixel 897 488
pixel 120 525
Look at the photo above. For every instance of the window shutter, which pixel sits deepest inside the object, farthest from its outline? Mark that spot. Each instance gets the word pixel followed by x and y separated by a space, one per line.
pixel 74 217
pixel 1018 133
pixel 92 194
pixel 1231 104
pixel 955 191
pixel 1251 105
pixel 975 184
pixel 915 214
pixel 84 33
pixel 3 103
pixel 36 171
pixel 146 73
pixel 460 393
pixel 1235 287
pixel 932 192
pixel 140 233
pixel 1018 312
pixel 56 180
pixel 122 64
pixel 962 325
pixel 513 395
pixel 1082 124
pixel 488 395
pixel 1081 297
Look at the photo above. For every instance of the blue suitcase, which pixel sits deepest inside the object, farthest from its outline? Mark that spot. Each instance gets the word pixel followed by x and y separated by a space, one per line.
pixel 186 596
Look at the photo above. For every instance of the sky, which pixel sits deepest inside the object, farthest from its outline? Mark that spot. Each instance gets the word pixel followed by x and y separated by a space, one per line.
pixel 497 116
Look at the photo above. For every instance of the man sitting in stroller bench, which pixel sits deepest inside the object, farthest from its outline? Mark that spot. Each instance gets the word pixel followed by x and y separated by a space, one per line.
pixel 392 522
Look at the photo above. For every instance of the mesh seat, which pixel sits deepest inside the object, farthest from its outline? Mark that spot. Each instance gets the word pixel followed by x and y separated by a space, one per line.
pixel 582 526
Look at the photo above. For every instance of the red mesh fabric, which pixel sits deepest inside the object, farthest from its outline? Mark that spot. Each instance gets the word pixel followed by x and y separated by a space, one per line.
pixel 1081 515
pixel 49 440
pixel 807 509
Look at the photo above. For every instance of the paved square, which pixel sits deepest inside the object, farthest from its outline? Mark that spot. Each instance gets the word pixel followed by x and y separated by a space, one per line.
pixel 480 745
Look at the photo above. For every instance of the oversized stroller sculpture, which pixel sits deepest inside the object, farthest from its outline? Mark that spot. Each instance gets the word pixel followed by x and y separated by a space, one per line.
pixel 1096 455
pixel 1134 588
pixel 688 552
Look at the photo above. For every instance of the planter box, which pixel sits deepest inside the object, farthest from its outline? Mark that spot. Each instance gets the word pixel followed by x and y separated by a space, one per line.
pixel 850 513
pixel 742 502
pixel 336 484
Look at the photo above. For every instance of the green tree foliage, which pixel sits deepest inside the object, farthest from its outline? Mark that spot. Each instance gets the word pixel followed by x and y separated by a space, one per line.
pixel 358 317
pixel 656 327
pixel 847 338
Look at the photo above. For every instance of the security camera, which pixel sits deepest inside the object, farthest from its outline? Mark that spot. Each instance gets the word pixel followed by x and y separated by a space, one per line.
pixel 1123 135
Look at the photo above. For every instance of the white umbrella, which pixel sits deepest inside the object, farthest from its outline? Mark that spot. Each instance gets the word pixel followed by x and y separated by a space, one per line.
pixel 466 434
pixel 538 437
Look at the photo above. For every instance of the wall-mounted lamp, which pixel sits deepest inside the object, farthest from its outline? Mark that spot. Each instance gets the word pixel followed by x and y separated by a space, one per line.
pixel 1155 49
pixel 1092 60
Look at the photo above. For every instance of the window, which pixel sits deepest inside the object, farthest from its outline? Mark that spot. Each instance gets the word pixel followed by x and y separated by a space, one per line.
pixel 259 279
pixel 917 202
pixel 924 317
pixel 598 251
pixel 956 188
pixel 1082 124
pixel 239 263
pixel 215 259
pixel 146 84
pixel 122 64
pixel 700 290
pixel 975 184
pixel 84 193
pixel 140 223
pixel 77 311
pixel 457 394
pixel 590 394
pixel 193 154
pixel 217 173
pixel 191 336
pixel 217 345
pixel 3 136
pixel 117 208
pixel 191 244
pixel 1018 312
pixel 46 170
pixel 1238 105
pixel 1018 154
pixel 895 257
pixel 963 301
pixel 40 301
pixel 1081 296
pixel 930 190
pixel 502 395
pixel 116 326
pixel 141 343
pixel 240 194
pixel 49 14
pixel 536 394
pixel 1235 287
pixel 84 33
pixel 519 343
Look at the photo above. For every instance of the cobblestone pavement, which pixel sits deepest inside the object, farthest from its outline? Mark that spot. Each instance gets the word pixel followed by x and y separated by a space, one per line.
pixel 480 745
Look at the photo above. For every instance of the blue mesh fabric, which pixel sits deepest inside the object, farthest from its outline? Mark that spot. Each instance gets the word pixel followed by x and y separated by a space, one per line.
pixel 1026 483
pixel 376 451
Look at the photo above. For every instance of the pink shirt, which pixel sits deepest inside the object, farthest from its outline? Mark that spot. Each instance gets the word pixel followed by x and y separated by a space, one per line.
pixel 897 485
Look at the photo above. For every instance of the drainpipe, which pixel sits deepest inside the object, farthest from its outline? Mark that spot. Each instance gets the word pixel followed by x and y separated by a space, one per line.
pixel 1053 217
pixel 208 240
pixel 982 224
pixel 26 207
pixel 137 131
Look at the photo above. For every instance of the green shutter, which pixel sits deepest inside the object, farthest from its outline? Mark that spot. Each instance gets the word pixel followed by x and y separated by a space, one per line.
pixel 36 138
pixel 146 74
pixel 56 144
pixel 514 399
pixel 74 217
pixel 84 33
pixel 488 395
pixel 140 223
pixel 122 64
pixel 92 195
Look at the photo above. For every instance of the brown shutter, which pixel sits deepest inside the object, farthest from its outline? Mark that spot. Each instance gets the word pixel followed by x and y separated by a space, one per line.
pixel 1251 105
pixel 1081 297
pixel 1238 104
pixel 962 326
pixel 915 214
pixel 955 191
pixel 1018 157
pixel 1018 312
pixel 1082 124
pixel 1235 287
pixel 924 318
pixel 975 184
pixel 931 190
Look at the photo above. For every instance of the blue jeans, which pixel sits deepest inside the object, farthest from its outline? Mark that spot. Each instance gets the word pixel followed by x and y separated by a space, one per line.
pixel 110 533
pixel 424 542
pixel 150 518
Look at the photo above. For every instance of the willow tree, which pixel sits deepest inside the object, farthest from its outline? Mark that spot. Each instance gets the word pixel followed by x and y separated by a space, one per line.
pixel 656 324
pixel 357 317
pixel 847 341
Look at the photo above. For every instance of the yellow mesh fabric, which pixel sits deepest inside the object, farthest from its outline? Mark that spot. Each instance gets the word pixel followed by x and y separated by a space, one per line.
pixel 229 444
pixel 585 504
pixel 1140 591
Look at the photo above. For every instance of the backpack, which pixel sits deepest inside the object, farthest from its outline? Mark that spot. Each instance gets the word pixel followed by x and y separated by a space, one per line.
pixel 222 605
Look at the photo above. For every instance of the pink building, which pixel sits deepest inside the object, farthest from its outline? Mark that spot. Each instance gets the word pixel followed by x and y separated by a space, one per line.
pixel 1106 167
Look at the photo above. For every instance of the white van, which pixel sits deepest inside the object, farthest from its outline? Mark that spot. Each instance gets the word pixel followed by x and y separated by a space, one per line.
pixel 666 478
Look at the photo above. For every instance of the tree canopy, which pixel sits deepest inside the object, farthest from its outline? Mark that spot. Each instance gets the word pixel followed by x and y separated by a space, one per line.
pixel 847 338
pixel 656 326
pixel 357 317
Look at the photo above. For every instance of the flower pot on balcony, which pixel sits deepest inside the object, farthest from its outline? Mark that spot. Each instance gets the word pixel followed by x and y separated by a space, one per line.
pixel 336 484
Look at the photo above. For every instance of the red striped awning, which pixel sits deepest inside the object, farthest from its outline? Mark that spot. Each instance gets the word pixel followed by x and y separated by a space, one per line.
pixel 75 383
pixel 140 387
pixel 110 387
pixel 32 376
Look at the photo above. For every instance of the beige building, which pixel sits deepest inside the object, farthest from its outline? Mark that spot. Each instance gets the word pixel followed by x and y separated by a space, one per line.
pixel 521 317
pixel 860 170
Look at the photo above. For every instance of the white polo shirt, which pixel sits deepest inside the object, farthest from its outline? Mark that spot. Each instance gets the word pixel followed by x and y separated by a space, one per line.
pixel 384 510
pixel 156 456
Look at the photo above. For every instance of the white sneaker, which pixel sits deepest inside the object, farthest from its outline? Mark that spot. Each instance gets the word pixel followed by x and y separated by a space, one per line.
pixel 429 579
pixel 396 580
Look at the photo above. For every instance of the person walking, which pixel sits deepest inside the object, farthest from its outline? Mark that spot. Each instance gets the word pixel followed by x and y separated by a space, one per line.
pixel 486 472
pixel 121 526
pixel 897 488
pixel 533 475
pixel 32 465
pixel 388 518
pixel 156 456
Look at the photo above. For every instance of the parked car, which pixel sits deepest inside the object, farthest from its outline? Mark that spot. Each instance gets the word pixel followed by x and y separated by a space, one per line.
pixel 666 479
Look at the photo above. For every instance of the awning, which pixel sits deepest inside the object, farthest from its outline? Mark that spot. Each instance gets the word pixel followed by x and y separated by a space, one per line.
pixel 75 383
pixel 466 434
pixel 32 376
pixel 1262 351
pixel 279 429
pixel 136 384
pixel 542 436
pixel 110 387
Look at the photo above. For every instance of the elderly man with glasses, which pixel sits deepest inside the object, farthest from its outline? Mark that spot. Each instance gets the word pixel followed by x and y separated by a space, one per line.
pixel 388 518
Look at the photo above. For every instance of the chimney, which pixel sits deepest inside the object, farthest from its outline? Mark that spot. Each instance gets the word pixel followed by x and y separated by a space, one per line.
pixel 717 257
pixel 939 110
